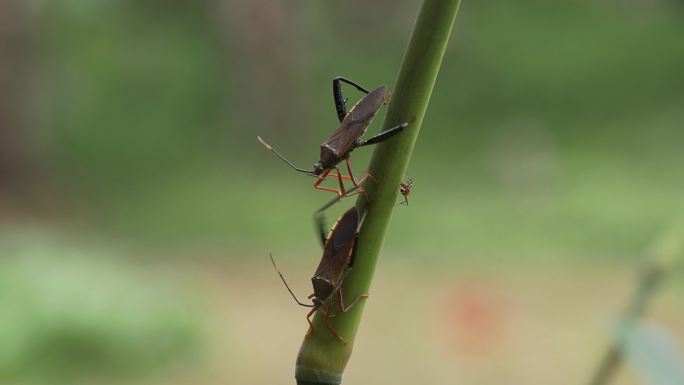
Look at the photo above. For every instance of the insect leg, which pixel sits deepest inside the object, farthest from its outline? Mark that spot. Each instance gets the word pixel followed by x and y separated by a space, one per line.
pixel 342 176
pixel 341 181
pixel 351 175
pixel 343 308
pixel 356 240
pixel 357 184
pixel 308 319
pixel 321 178
pixel 334 332
pixel 339 98
pixel 381 136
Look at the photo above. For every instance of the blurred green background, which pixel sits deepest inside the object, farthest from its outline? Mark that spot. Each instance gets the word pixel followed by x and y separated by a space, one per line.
pixel 137 207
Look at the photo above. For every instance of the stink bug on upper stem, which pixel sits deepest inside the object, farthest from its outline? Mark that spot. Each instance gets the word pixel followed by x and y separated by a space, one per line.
pixel 338 257
pixel 346 137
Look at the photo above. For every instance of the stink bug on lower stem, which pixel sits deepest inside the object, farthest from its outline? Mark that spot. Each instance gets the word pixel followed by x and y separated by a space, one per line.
pixel 346 137
pixel 338 257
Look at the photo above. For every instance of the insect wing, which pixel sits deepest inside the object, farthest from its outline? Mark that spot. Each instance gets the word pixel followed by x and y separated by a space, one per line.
pixel 338 248
pixel 357 120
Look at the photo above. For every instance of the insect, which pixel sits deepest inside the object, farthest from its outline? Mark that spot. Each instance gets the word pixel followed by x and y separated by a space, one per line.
pixel 346 137
pixel 405 189
pixel 338 258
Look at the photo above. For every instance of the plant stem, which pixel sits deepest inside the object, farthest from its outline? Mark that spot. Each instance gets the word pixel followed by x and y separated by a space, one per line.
pixel 666 256
pixel 322 357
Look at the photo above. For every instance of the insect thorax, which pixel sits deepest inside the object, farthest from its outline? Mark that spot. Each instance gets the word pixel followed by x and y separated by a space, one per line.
pixel 323 287
pixel 329 157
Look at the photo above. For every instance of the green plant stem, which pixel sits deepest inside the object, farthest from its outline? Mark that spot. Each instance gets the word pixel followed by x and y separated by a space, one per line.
pixel 666 257
pixel 322 357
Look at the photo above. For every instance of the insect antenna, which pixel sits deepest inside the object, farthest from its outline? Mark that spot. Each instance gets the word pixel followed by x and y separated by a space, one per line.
pixel 273 150
pixel 286 285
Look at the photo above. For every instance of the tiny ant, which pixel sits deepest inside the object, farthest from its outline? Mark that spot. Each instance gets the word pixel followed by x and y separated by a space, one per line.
pixel 405 189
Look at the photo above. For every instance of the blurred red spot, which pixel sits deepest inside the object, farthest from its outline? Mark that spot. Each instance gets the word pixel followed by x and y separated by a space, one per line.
pixel 474 319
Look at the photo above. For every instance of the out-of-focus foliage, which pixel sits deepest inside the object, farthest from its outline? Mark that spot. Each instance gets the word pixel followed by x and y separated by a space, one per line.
pixel 553 127
pixel 73 315
pixel 652 350
pixel 554 134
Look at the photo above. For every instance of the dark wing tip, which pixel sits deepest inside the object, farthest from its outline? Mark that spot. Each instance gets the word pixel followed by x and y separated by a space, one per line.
pixel 351 215
pixel 382 90
pixel 345 229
